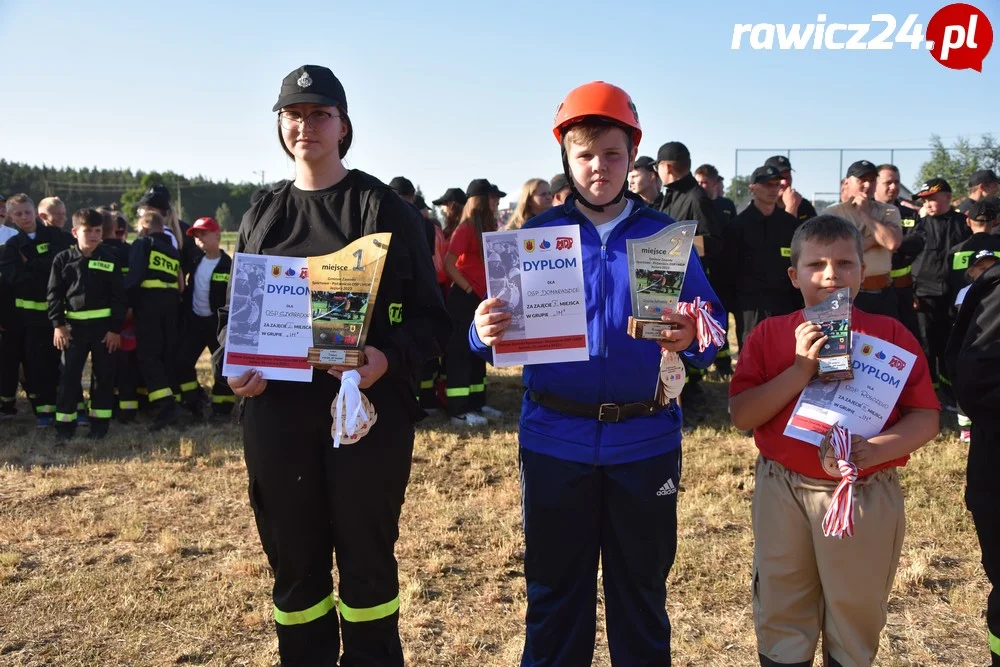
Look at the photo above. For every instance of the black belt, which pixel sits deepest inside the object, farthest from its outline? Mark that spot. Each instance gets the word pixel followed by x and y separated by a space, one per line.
pixel 604 412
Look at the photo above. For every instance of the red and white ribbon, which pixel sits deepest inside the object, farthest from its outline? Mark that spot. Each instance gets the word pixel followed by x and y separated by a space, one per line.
pixel 708 330
pixel 839 519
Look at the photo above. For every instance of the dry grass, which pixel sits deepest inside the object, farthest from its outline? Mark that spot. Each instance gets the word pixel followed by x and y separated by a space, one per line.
pixel 141 550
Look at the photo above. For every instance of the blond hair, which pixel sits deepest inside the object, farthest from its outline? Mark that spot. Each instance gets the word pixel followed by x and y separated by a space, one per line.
pixel 523 212
pixel 48 204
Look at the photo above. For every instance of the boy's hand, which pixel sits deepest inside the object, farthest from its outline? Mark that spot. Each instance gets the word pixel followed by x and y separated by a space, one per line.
pixel 60 338
pixel 375 367
pixel 809 340
pixel 680 338
pixel 862 455
pixel 490 326
pixel 249 383
pixel 112 341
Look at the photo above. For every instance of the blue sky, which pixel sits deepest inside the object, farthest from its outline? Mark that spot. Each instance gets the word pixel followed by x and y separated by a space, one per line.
pixel 444 92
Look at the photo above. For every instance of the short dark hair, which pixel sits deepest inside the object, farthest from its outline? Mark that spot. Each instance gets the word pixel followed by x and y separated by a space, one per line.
pixel 825 229
pixel 345 145
pixel 707 170
pixel 88 217
pixel 883 167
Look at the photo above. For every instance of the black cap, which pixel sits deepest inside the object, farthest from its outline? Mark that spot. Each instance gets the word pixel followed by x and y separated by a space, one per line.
pixel 982 177
pixel 157 197
pixel 402 186
pixel 451 195
pixel 862 168
pixel 983 254
pixel 984 210
pixel 933 186
pixel 765 174
pixel 644 162
pixel 779 162
pixel 421 205
pixel 673 151
pixel 311 84
pixel 558 183
pixel 479 187
pixel 497 192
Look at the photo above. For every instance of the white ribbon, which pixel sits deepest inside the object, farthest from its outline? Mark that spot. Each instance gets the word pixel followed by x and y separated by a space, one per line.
pixel 348 409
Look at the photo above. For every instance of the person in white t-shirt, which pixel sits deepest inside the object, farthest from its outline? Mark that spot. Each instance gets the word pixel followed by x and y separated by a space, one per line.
pixel 207 281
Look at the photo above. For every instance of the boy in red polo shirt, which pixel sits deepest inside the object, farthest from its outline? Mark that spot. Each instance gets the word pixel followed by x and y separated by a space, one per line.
pixel 804 583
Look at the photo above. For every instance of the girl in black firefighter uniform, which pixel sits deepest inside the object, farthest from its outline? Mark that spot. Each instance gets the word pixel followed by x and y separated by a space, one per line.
pixel 87 310
pixel 312 501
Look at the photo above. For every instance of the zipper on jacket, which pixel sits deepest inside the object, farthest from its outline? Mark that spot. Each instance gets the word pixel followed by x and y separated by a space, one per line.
pixel 603 347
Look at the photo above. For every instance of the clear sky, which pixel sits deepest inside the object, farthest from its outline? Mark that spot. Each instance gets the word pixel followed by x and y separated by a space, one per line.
pixel 443 92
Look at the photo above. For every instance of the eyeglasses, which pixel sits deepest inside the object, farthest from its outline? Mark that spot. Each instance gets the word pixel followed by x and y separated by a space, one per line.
pixel 291 120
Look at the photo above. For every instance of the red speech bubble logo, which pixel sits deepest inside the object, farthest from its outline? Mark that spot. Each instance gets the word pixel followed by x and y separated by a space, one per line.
pixel 961 36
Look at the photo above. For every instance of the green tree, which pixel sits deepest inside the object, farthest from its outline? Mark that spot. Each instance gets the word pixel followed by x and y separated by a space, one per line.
pixel 739 190
pixel 224 216
pixel 956 164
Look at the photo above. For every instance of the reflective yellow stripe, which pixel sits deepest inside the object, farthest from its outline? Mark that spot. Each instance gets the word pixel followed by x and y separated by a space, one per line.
pixel 786 252
pixel 899 273
pixel 189 386
pixel 160 393
pixel 45 409
pixel 27 304
pixel 945 381
pixel 220 277
pixel 157 284
pixel 142 391
pixel 88 314
pixel 723 354
pixel 160 262
pixel 994 643
pixel 318 610
pixel 100 414
pixel 128 405
pixel 223 399
pixel 961 260
pixel 477 388
pixel 124 269
pixel 42 248
pixel 908 222
pixel 427 384
pixel 66 417
pixel 457 391
pixel 101 265
pixel 352 615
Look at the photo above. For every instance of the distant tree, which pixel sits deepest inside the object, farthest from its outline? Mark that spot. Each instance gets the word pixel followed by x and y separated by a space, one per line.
pixel 956 164
pixel 739 190
pixel 224 216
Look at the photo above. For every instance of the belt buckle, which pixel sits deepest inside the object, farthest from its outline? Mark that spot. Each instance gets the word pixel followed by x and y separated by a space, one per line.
pixel 605 408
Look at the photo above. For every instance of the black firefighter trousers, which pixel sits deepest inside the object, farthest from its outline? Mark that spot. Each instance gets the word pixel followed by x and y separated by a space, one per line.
pixel 312 502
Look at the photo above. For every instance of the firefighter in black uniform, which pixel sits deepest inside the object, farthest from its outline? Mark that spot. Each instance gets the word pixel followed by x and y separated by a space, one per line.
pixel 901 273
pixel 204 296
pixel 789 198
pixel 758 254
pixel 25 263
pixel 154 278
pixel 86 305
pixel 684 199
pixel 126 365
pixel 944 228
pixel 981 218
pixel 973 355
pixel 312 501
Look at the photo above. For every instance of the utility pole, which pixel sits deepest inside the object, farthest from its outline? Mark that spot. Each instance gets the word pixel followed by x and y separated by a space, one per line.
pixel 261 172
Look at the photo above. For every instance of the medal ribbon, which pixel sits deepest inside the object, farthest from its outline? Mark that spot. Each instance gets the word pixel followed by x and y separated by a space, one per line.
pixel 839 519
pixel 708 330
pixel 348 410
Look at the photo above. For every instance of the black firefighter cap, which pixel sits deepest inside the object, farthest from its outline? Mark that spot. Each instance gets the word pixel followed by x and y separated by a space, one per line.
pixel 779 162
pixel 982 177
pixel 479 187
pixel 673 151
pixel 451 195
pixel 644 162
pixel 497 192
pixel 765 174
pixel 862 168
pixel 932 187
pixel 984 210
pixel 311 84
pixel 157 197
pixel 983 254
pixel 403 186
pixel 558 183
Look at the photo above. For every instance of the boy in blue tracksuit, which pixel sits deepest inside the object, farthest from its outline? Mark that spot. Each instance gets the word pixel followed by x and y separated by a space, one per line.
pixel 600 460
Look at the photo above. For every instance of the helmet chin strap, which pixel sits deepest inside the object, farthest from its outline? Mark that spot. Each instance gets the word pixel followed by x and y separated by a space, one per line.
pixel 583 200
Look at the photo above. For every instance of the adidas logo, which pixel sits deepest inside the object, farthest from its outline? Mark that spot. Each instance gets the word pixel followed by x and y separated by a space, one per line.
pixel 667 489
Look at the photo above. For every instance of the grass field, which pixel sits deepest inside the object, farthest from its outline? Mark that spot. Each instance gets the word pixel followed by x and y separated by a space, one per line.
pixel 141 550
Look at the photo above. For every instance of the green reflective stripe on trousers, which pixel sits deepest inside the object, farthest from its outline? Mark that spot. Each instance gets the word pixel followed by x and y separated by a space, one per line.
pixel 723 354
pixel 45 409
pixel 457 391
pixel 945 381
pixel 189 386
pixel 899 273
pixel 352 615
pixel 100 414
pixel 128 405
pixel 223 399
pixel 160 393
pixel 318 610
pixel 427 384
pixel 477 388
pixel 994 643
pixel 88 314
pixel 27 304
pixel 66 417
pixel 157 284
